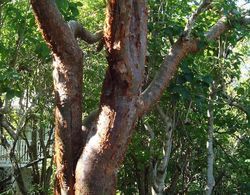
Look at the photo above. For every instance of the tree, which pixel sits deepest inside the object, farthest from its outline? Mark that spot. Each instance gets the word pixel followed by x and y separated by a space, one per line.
pixel 25 94
pixel 84 156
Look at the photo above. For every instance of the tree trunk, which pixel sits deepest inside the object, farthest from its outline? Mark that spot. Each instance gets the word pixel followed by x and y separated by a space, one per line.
pixel 68 139
pixel 210 158
pixel 122 100
pixel 125 37
pixel 13 158
pixel 144 182
pixel 161 170
pixel 17 173
pixel 67 76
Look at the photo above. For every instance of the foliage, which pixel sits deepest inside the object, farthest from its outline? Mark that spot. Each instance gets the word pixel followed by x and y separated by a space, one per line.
pixel 188 93
pixel 25 75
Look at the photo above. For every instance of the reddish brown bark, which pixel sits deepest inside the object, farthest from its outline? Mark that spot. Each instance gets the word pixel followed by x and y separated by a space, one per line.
pixel 167 70
pixel 67 75
pixel 122 101
pixel 125 37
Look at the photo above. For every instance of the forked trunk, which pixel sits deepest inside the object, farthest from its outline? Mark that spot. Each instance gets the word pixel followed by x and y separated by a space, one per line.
pixel 122 100
pixel 125 37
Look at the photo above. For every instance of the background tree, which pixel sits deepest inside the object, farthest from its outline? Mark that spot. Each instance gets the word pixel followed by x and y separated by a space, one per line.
pixel 189 91
pixel 25 94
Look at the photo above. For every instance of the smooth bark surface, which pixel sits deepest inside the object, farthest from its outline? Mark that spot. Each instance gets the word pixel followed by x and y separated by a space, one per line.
pixel 179 51
pixel 210 150
pixel 160 169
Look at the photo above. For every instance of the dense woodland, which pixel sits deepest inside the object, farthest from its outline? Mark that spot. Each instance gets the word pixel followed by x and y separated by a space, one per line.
pixel 193 139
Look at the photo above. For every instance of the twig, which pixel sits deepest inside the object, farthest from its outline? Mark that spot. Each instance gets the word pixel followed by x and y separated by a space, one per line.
pixel 192 19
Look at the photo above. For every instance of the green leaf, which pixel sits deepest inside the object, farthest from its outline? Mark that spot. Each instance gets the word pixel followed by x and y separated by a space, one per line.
pixel 62 4
pixel 11 93
pixel 42 50
pixel 73 8
pixel 207 79
pixel 241 91
pixel 189 77
pixel 202 44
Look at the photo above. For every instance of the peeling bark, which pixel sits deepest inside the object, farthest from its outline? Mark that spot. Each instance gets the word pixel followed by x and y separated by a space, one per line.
pixel 103 143
pixel 166 72
pixel 67 76
pixel 125 37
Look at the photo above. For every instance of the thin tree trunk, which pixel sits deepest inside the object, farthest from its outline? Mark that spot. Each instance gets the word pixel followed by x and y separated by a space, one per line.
pixel 210 158
pixel 14 161
pixel 143 177
pixel 174 180
pixel 17 171
pixel 160 170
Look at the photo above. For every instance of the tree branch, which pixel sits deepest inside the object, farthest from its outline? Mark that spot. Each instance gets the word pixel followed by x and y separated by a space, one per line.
pixel 167 70
pixel 192 19
pixel 55 30
pixel 9 129
pixel 219 28
pixel 4 109
pixel 231 102
pixel 181 49
pixel 4 142
pixel 82 33
pixel 33 162
pixel 246 20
